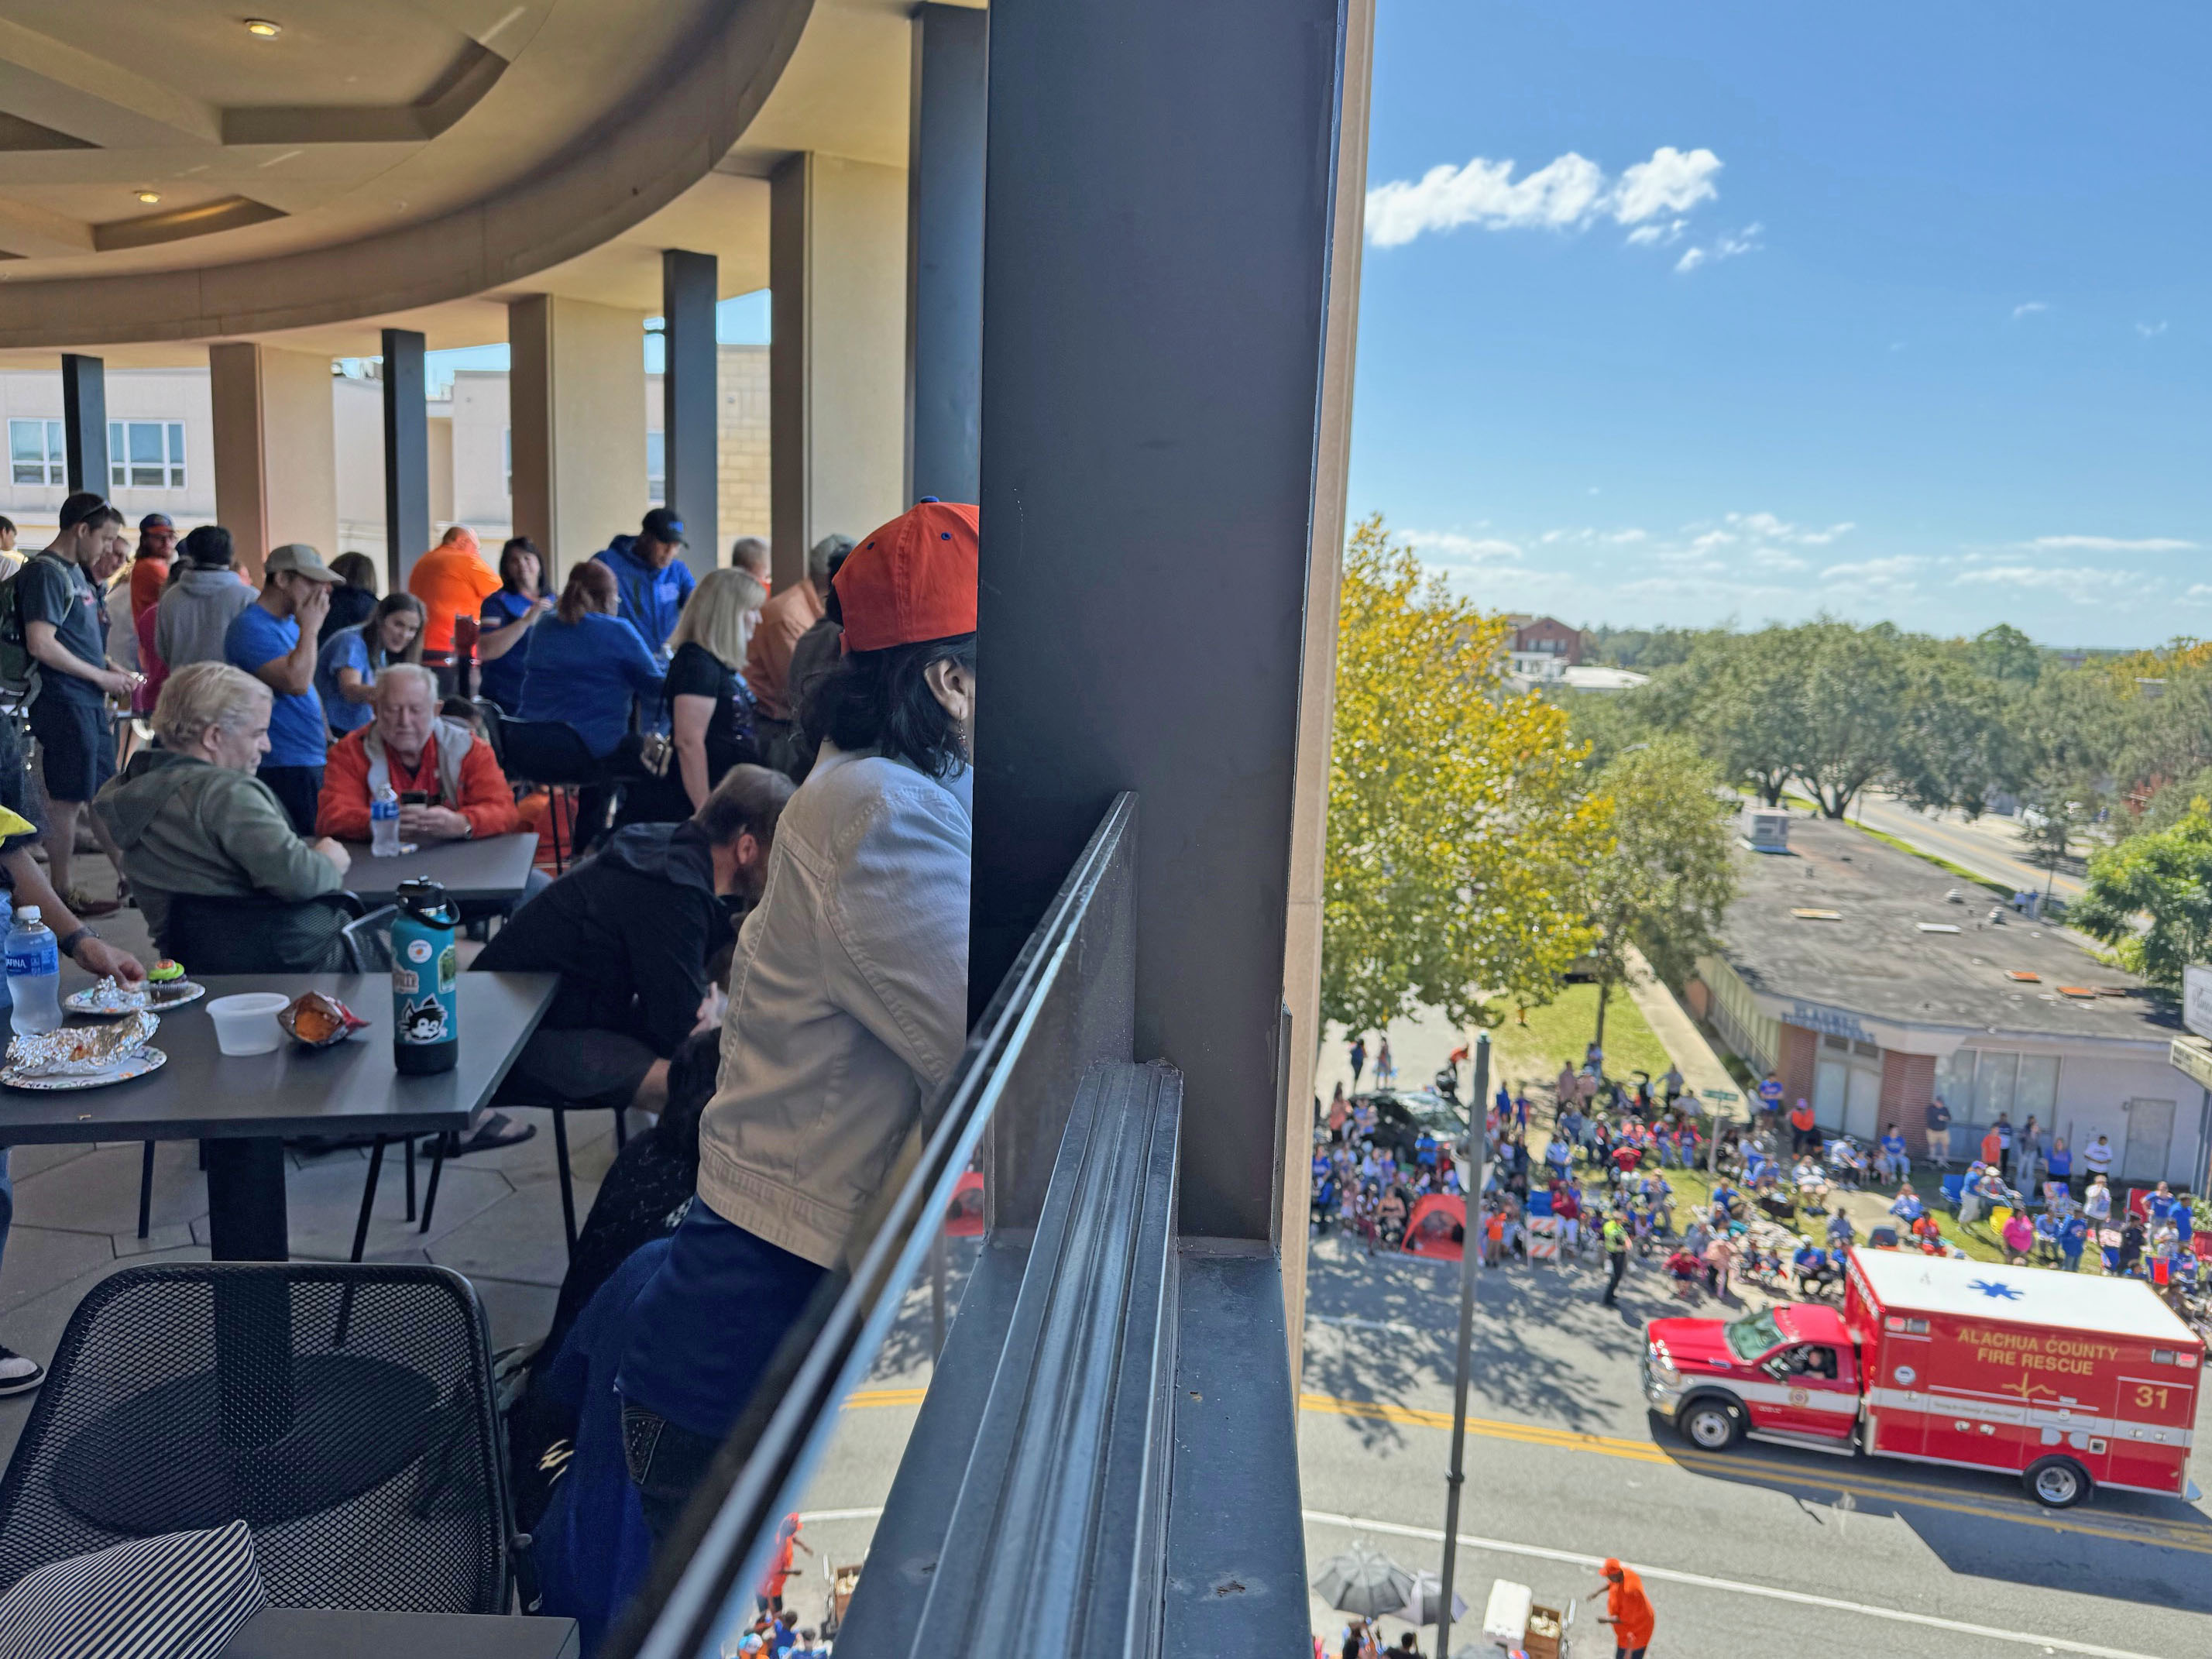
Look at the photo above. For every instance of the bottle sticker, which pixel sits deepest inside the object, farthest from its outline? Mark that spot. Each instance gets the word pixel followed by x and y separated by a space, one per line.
pixel 406 981
pixel 423 1021
pixel 449 967
pixel 418 950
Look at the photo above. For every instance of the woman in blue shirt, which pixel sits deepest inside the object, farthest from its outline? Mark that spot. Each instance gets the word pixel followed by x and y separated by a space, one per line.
pixel 587 667
pixel 503 643
pixel 347 665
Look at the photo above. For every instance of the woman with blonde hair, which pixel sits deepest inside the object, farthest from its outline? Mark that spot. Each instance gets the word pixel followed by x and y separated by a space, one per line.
pixel 706 708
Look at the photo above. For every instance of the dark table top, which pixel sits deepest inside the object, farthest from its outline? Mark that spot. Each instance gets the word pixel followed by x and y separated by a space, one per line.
pixel 350 1089
pixel 493 868
pixel 341 1633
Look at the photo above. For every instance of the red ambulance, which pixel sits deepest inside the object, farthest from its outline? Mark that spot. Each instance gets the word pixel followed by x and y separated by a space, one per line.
pixel 2067 1381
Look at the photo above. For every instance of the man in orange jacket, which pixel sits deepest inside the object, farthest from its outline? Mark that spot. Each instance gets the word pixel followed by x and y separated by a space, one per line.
pixel 1627 1609
pixel 409 748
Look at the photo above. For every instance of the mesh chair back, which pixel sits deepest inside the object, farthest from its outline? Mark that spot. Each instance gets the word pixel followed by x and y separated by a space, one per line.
pixel 257 934
pixel 547 751
pixel 345 1412
pixel 368 941
pixel 493 719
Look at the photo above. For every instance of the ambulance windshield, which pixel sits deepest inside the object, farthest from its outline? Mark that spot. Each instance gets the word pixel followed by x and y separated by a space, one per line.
pixel 1753 1337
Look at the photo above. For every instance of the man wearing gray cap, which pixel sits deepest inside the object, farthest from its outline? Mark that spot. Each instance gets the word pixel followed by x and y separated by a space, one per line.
pixel 273 639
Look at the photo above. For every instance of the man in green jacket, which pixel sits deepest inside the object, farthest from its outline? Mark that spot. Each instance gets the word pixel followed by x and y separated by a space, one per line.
pixel 192 819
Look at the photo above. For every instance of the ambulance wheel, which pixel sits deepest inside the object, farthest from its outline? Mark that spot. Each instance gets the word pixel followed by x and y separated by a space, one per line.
pixel 1710 1423
pixel 2056 1483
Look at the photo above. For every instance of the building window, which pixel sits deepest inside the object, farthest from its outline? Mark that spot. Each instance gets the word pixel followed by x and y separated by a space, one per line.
pixel 145 455
pixel 656 469
pixel 1978 1084
pixel 507 451
pixel 38 453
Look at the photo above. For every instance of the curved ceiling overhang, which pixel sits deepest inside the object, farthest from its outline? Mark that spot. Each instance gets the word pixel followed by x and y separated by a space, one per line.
pixel 642 139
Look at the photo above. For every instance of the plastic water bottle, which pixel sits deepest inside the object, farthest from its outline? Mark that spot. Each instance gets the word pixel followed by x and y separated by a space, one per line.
pixel 383 824
pixel 35 973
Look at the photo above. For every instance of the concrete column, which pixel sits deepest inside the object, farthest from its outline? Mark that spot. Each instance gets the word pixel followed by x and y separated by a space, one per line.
pixel 275 454
pixel 690 413
pixel 406 456
pixel 836 365
pixel 575 406
pixel 84 422
pixel 944 254
pixel 1317 687
pixel 1153 467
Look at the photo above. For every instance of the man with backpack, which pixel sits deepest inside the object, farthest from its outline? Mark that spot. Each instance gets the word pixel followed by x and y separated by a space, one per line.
pixel 55 610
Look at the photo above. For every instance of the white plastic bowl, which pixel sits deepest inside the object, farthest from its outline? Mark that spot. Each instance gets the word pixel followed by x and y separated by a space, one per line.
pixel 246 1024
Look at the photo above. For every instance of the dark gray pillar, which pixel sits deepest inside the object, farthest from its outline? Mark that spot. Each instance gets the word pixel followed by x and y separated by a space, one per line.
pixel 406 456
pixel 1155 282
pixel 84 422
pixel 944 254
pixel 689 407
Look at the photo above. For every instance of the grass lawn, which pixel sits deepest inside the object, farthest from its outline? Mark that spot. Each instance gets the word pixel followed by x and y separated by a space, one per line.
pixel 1561 1031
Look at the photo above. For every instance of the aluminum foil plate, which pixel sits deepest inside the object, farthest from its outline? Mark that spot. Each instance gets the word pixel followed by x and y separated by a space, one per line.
pixel 80 1050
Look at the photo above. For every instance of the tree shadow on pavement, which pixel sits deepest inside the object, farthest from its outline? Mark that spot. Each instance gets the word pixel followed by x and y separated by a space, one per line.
pixel 1546 1348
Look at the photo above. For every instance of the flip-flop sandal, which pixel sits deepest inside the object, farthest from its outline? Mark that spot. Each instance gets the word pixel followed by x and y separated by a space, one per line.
pixel 496 1131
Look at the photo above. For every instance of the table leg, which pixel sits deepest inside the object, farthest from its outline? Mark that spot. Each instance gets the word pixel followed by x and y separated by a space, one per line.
pixel 246 1219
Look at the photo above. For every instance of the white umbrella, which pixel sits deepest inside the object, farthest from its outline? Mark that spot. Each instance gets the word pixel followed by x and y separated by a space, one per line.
pixel 1425 1602
pixel 1364 1581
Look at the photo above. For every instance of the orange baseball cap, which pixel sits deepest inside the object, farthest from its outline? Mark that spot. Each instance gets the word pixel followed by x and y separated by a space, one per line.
pixel 911 581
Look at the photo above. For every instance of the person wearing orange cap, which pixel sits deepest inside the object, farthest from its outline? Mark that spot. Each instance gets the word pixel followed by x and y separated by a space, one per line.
pixel 1627 1609
pixel 848 1003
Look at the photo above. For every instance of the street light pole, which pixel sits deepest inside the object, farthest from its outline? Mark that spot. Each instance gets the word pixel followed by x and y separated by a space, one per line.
pixel 1472 1239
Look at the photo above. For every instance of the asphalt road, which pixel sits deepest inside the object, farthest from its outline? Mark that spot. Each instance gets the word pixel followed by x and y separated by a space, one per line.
pixel 1765 1551
pixel 1990 845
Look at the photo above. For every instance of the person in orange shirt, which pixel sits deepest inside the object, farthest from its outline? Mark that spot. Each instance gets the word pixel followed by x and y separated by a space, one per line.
pixel 1627 1609
pixel 1800 1119
pixel 451 578
pixel 783 619
pixel 410 749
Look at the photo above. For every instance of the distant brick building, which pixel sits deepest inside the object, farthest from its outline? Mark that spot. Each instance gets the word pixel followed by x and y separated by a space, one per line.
pixel 1547 634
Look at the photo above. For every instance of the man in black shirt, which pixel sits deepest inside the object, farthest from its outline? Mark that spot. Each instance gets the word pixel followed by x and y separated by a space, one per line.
pixel 64 623
pixel 631 932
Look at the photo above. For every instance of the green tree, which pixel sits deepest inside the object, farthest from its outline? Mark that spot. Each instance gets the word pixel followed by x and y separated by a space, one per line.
pixel 2166 876
pixel 1460 821
pixel 1742 697
pixel 2005 654
pixel 1672 871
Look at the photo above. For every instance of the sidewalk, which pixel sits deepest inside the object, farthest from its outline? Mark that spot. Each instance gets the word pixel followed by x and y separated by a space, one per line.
pixel 1679 1035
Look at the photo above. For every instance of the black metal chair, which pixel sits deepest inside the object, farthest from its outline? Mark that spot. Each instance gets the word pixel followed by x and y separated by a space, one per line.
pixel 493 719
pixel 346 1414
pixel 442 1148
pixel 553 755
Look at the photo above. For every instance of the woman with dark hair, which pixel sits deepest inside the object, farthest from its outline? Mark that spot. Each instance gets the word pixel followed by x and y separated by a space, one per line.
pixel 585 664
pixel 347 667
pixel 848 1004
pixel 353 598
pixel 503 641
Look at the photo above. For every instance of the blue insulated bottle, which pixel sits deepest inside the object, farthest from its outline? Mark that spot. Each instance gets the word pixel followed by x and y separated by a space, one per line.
pixel 426 1023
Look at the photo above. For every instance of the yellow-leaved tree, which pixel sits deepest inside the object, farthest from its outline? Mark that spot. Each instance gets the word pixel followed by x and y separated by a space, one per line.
pixel 1461 825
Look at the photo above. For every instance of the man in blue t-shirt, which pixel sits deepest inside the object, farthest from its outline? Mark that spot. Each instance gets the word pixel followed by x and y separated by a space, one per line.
pixel 273 639
pixel 650 578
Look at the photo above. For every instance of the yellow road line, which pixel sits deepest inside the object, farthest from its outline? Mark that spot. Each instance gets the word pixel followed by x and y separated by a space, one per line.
pixel 862 1399
pixel 2166 1534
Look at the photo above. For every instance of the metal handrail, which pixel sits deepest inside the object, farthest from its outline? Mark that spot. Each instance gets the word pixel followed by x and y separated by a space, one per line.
pixel 729 1534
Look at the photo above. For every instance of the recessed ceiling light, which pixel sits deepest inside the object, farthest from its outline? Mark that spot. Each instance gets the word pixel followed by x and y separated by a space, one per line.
pixel 150 197
pixel 262 27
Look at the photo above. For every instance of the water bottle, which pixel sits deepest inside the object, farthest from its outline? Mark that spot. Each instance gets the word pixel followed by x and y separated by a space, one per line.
pixel 426 1025
pixel 383 824
pixel 35 973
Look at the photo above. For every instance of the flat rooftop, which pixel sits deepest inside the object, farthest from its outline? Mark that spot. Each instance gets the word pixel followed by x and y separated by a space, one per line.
pixel 1844 919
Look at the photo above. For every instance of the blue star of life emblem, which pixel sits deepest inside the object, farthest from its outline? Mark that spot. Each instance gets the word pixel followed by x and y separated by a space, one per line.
pixel 1990 1287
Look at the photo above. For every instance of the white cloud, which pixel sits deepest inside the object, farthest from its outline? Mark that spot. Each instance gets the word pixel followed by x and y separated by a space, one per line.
pixel 1567 193
pixel 2151 331
pixel 2028 309
pixel 1448 548
pixel 2083 584
pixel 2106 545
pixel 1896 571
pixel 1647 236
pixel 1729 245
pixel 1671 182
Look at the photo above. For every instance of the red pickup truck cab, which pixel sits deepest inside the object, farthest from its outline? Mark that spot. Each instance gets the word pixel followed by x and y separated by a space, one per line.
pixel 2067 1381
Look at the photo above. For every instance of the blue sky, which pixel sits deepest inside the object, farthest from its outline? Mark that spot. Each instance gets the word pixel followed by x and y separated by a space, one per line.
pixel 1738 311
